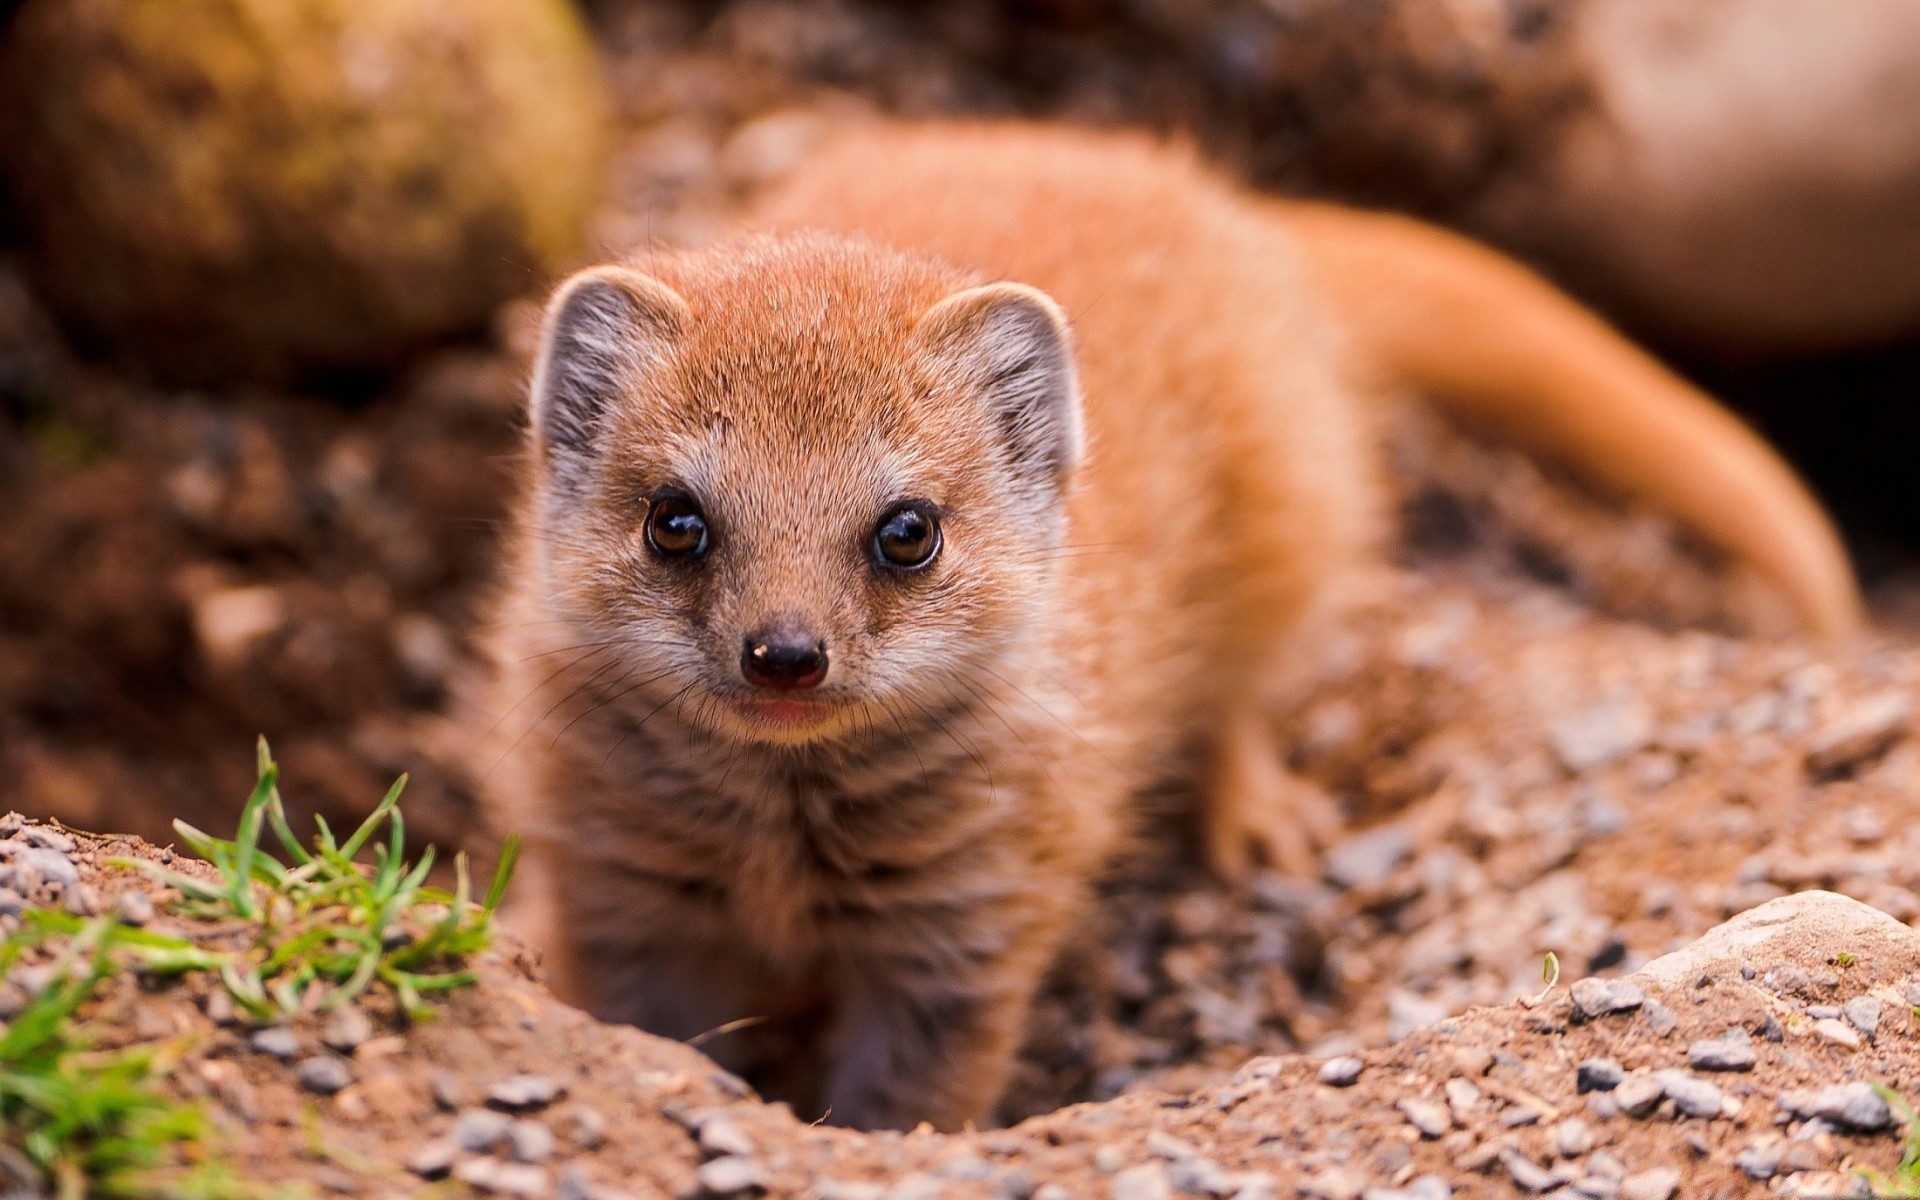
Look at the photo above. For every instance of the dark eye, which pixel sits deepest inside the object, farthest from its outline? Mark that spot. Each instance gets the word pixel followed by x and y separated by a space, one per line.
pixel 907 538
pixel 676 528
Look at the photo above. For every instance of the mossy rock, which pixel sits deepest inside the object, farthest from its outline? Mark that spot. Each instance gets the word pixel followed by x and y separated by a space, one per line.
pixel 240 189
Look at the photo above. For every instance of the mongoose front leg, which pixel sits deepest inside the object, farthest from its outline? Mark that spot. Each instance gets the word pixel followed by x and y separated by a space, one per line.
pixel 917 1043
pixel 1255 809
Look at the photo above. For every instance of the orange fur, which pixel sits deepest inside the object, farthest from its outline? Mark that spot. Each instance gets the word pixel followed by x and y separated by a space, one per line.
pixel 1134 563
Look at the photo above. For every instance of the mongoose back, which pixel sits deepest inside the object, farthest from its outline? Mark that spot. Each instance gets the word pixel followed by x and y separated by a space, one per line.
pixel 874 564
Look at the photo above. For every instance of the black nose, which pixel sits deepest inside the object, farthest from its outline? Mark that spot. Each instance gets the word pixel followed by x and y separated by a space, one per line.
pixel 783 658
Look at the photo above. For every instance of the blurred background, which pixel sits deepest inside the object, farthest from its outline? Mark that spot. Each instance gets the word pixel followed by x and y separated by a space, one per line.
pixel 270 273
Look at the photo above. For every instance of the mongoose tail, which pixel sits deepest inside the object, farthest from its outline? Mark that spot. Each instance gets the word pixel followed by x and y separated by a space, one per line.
pixel 1494 342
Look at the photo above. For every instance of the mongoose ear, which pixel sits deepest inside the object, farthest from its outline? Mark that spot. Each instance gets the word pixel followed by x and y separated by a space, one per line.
pixel 604 328
pixel 1011 343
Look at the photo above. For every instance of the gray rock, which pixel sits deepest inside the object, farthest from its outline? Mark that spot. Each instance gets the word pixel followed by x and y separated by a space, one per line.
pixel 434 1159
pixel 848 1189
pixel 1691 1095
pixel 48 839
pixel 964 1168
pixel 721 1136
pixel 1200 1177
pixel 574 1185
pixel 1639 1095
pixel 530 1141
pixel 1585 741
pixel 501 1178
pixel 1343 1071
pixel 346 1029
pixel 1658 1184
pixel 1017 1184
pixel 1863 731
pixel 1731 1051
pixel 1660 1018
pixel 1145 1182
pixel 1594 997
pixel 1052 1191
pixel 480 1130
pixel 12 903
pixel 135 908
pixel 324 1074
pixel 50 866
pixel 1432 1120
pixel 1759 1162
pixel 1863 1013
pixel 1572 1138
pixel 1528 1175
pixel 917 1187
pixel 1367 859
pixel 731 1176
pixel 520 1093
pixel 588 1128
pixel 276 1041
pixel 1108 1159
pixel 1854 1107
pixel 1598 1075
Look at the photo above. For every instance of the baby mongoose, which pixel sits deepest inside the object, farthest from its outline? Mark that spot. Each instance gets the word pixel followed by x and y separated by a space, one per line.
pixel 874 564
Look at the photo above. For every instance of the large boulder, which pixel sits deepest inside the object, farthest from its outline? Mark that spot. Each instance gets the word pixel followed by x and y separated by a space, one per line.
pixel 228 189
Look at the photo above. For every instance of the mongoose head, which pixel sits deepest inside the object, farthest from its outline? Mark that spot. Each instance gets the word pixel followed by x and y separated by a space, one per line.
pixel 801 488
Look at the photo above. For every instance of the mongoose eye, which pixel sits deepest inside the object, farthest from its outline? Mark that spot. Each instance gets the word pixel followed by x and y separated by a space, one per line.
pixel 676 528
pixel 907 538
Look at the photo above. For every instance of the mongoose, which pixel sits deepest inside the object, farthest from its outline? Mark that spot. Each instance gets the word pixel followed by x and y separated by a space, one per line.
pixel 874 563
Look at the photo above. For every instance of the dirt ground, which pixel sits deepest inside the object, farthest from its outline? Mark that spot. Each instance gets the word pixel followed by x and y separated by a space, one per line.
pixel 1546 727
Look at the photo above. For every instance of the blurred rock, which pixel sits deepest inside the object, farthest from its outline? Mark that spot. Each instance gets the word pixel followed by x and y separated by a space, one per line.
pixel 250 189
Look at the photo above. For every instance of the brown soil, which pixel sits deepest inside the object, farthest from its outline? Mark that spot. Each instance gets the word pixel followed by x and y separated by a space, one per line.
pixel 1537 743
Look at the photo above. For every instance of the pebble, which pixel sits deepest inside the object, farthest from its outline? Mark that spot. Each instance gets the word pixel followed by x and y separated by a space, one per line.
pixel 1572 1138
pixel 501 1178
pixel 1864 730
pixel 574 1185
pixel 277 1041
pixel 1052 1191
pixel 721 1136
pixel 1638 1095
pixel 449 1090
pixel 1605 733
pixel 1863 1013
pixel 1836 1032
pixel 479 1130
pixel 1658 1184
pixel 1759 1162
pixel 1145 1182
pixel 1731 1051
pixel 964 1168
pixel 588 1129
pixel 135 908
pixel 1598 1075
pixel 1108 1159
pixel 530 1141
pixel 848 1189
pixel 1691 1095
pixel 1422 1187
pixel 48 839
pixel 434 1159
pixel 1855 1107
pixel 1340 1072
pixel 346 1028
pixel 731 1176
pixel 50 865
pixel 525 1092
pixel 1369 858
pixel 1529 1175
pixel 1432 1120
pixel 324 1074
pixel 1660 1018
pixel 1594 997
pixel 1329 1183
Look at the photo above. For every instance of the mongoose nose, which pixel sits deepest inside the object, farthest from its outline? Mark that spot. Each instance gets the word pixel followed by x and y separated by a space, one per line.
pixel 783 659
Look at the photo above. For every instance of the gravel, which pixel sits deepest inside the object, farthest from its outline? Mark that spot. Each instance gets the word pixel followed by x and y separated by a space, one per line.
pixel 480 1130
pixel 1855 1107
pixel 324 1074
pixel 1692 1096
pixel 1594 997
pixel 1598 1075
pixel 525 1093
pixel 1731 1051
pixel 1341 1071
pixel 276 1041
pixel 733 1175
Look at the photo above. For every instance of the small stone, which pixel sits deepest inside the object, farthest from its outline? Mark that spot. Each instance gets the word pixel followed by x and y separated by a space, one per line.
pixel 1855 1107
pixel 1530 1176
pixel 1519 1116
pixel 501 1178
pixel 1598 1075
pixel 1691 1095
pixel 1638 1095
pixel 1462 1098
pixel 276 1041
pixel 1863 1013
pixel 1052 1191
pixel 1017 1184
pixel 1839 1033
pixel 1200 1177
pixel 324 1074
pixel 450 1091
pixel 479 1130
pixel 135 908
pixel 574 1185
pixel 964 1168
pixel 847 1189
pixel 1251 1185
pixel 520 1093
pixel 1329 1183
pixel 1600 735
pixel 1432 1120
pixel 731 1176
pixel 346 1028
pixel 1369 858
pixel 1660 1018
pixel 1572 1138
pixel 48 839
pixel 721 1136
pixel 1658 1184
pixel 588 1128
pixel 1594 997
pixel 1145 1182
pixel 84 900
pixel 434 1159
pixel 1340 1072
pixel 1863 731
pixel 530 1141
pixel 50 865
pixel 1759 1162
pixel 1824 1012
pixel 1731 1051
pixel 12 903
